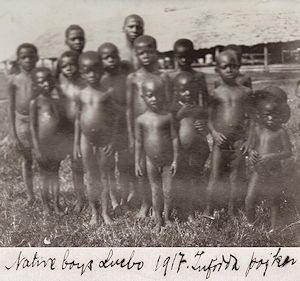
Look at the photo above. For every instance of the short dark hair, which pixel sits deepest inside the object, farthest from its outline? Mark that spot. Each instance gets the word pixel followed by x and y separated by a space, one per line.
pixel 184 43
pixel 27 45
pixel 74 27
pixel 39 69
pixel 70 54
pixel 237 49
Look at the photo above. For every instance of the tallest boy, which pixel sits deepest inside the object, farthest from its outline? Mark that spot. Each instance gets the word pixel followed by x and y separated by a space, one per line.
pixel 133 28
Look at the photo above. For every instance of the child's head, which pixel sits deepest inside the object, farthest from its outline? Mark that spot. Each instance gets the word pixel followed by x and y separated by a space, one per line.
pixel 90 67
pixel 68 63
pixel 133 27
pixel 153 92
pixel 272 110
pixel 75 38
pixel 237 49
pixel 43 80
pixel 27 56
pixel 145 49
pixel 184 53
pixel 227 66
pixel 186 87
pixel 110 56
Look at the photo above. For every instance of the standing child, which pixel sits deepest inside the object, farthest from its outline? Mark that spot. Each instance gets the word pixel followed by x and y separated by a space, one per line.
pixel 95 129
pixel 20 94
pixel 184 54
pixel 113 78
pixel 270 145
pixel 75 40
pixel 193 143
pixel 241 79
pixel 70 84
pixel 145 50
pixel 229 106
pixel 156 137
pixel 46 135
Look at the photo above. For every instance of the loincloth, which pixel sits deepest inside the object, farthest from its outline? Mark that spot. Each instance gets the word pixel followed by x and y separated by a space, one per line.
pixel 233 140
pixel 22 124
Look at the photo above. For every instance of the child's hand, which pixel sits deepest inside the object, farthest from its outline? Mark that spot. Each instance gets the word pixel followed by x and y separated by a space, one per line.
pixel 219 138
pixel 76 152
pixel 253 156
pixel 199 125
pixel 37 154
pixel 17 144
pixel 138 170
pixel 245 147
pixel 265 160
pixel 131 144
pixel 173 168
pixel 108 149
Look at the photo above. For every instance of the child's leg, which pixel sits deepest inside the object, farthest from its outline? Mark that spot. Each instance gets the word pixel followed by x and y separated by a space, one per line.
pixel 197 162
pixel 168 193
pixel 213 178
pixel 28 175
pixel 54 177
pixel 145 191
pixel 127 177
pixel 45 186
pixel 275 184
pixel 106 165
pixel 112 184
pixel 91 166
pixel 78 176
pixel 155 180
pixel 236 175
pixel 252 196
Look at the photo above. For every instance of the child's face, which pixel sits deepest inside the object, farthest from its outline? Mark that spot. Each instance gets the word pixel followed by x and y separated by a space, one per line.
pixel 44 82
pixel 133 28
pixel 91 71
pixel 27 58
pixel 68 66
pixel 228 67
pixel 110 58
pixel 269 115
pixel 152 96
pixel 184 56
pixel 75 40
pixel 186 92
pixel 146 54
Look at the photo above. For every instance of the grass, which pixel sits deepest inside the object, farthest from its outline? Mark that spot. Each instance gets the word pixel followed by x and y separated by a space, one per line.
pixel 24 227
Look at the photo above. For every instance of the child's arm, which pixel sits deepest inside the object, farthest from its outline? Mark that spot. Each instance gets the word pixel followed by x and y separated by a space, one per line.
pixel 76 152
pixel 285 153
pixel 129 112
pixel 203 96
pixel 297 91
pixel 250 112
pixel 11 92
pixel 33 129
pixel 219 138
pixel 138 148
pixel 168 92
pixel 175 144
pixel 108 149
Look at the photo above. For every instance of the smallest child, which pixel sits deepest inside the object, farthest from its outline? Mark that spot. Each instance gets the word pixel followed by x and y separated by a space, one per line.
pixel 270 144
pixel 157 138
pixel 44 128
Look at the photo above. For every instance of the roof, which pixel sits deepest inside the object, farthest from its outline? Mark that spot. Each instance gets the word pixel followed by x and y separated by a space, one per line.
pixel 206 29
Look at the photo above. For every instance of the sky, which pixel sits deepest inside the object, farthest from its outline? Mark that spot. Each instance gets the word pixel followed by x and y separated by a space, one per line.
pixel 24 21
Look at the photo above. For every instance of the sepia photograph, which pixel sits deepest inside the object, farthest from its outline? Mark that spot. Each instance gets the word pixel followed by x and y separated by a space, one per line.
pixel 144 137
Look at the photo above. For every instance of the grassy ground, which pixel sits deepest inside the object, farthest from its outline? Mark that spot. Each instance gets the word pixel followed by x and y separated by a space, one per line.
pixel 28 227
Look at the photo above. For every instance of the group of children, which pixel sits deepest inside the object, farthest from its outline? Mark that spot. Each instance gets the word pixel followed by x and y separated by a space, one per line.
pixel 151 124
